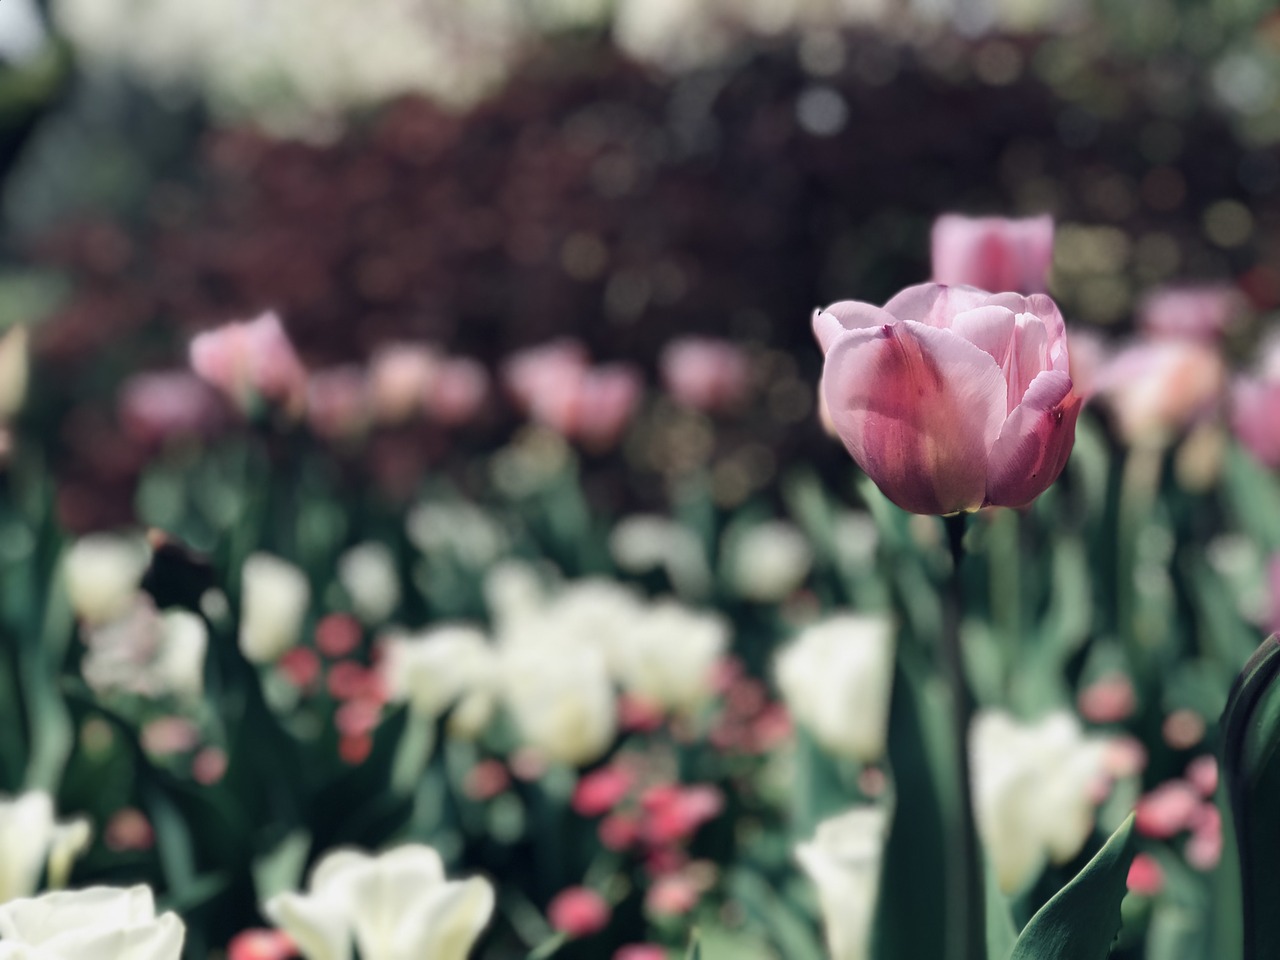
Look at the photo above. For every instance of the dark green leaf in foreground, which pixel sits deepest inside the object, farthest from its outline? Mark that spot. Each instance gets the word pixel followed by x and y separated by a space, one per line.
pixel 1083 918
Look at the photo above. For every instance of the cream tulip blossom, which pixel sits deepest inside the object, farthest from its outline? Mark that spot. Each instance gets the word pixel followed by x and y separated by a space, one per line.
pixel 836 679
pixel 669 653
pixel 102 572
pixel 843 861
pixel 97 923
pixel 560 695
pixel 33 842
pixel 368 573
pixel 438 668
pixel 274 596
pixel 769 561
pixel 393 906
pixel 1035 791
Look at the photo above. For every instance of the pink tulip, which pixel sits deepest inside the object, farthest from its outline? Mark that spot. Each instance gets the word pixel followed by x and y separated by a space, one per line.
pixel 398 377
pixel 1146 876
pixel 457 392
pixel 1190 312
pixel 338 402
pixel 1157 389
pixel 1255 408
pixel 261 944
pixel 705 374
pixel 154 407
pixel 951 398
pixel 993 253
pixel 250 360
pixel 1167 810
pixel 528 374
pixel 592 406
pixel 578 912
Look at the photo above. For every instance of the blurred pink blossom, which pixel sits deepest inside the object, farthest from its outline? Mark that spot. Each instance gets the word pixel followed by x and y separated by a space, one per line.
pixel 1202 772
pixel 1146 876
pixel 398 377
pixel 1255 407
pixel 154 407
pixel 251 359
pixel 338 635
pixel 672 895
pixel 578 912
pixel 1089 354
pixel 705 373
pixel 209 765
pixel 619 831
pixel 338 402
pixel 1109 699
pixel 168 735
pixel 128 829
pixel 1167 810
pixel 300 666
pixel 261 944
pixel 1204 847
pixel 529 373
pixel 1190 312
pixel 457 392
pixel 673 813
pixel 993 253
pixel 487 779
pixel 641 951
pixel 1157 389
pixel 601 790
pixel 591 406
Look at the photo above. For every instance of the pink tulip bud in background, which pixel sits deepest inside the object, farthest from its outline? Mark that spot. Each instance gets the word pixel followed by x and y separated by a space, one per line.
pixel 578 912
pixel 528 374
pixel 993 253
pixel 154 407
pixel 592 406
pixel 951 398
pixel 1255 408
pixel 704 373
pixel 398 377
pixel 1190 312
pixel 338 402
pixel 457 392
pixel 250 360
pixel 1157 389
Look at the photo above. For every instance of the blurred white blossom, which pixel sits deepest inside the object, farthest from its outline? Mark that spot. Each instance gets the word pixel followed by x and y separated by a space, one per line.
pixel 441 667
pixel 668 655
pixel 836 679
pixel 97 923
pixel 1035 791
pixel 34 843
pixel 843 861
pixel 147 653
pixel 768 561
pixel 473 536
pixel 561 698
pixel 102 572
pixel 392 906
pixel 274 596
pixel 368 573
pixel 647 542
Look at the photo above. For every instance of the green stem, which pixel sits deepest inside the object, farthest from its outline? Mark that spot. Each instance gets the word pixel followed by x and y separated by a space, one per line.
pixel 966 878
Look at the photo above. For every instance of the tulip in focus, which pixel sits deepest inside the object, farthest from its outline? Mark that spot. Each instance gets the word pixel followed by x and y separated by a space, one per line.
pixel 97 923
pixel 251 360
pixel 992 253
pixel 274 596
pixel 836 679
pixel 1035 788
pixel 843 861
pixel 1255 407
pixel 392 906
pixel 34 844
pixel 705 374
pixel 951 398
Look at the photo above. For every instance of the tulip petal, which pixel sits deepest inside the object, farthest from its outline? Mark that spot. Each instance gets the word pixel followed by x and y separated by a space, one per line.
pixel 1034 443
pixel 918 408
pixel 830 322
pixel 934 304
pixel 989 327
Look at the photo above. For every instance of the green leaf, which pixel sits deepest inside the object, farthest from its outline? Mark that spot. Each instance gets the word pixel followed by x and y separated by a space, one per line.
pixel 695 946
pixel 1001 932
pixel 1083 918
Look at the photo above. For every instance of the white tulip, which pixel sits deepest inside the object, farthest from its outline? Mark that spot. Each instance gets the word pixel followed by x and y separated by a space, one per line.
pixel 836 679
pixel 396 906
pixel 368 573
pixel 645 542
pixel 14 364
pixel 147 653
pixel 184 641
pixel 1034 791
pixel 33 842
pixel 274 596
pixel 98 923
pixel 668 653
pixel 560 695
pixel 438 668
pixel 843 861
pixel 102 572
pixel 769 561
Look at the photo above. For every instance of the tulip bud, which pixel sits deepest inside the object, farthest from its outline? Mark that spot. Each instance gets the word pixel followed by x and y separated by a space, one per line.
pixel 769 561
pixel 436 669
pixel 32 842
pixel 843 861
pixel 668 655
pixel 705 374
pixel 836 679
pixel 251 360
pixel 368 573
pixel 98 922
pixel 992 253
pixel 561 699
pixel 951 398
pixel 274 597
pixel 102 572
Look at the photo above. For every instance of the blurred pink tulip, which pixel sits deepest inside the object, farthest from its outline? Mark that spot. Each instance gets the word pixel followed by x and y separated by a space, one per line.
pixel 154 407
pixel 1157 389
pixel 528 374
pixel 951 398
pixel 250 360
pixel 992 253
pixel 457 392
pixel 261 944
pixel 1190 312
pixel 578 912
pixel 398 377
pixel 1255 408
pixel 1089 354
pixel 338 403
pixel 1146 876
pixel 592 406
pixel 704 373
pixel 1167 810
